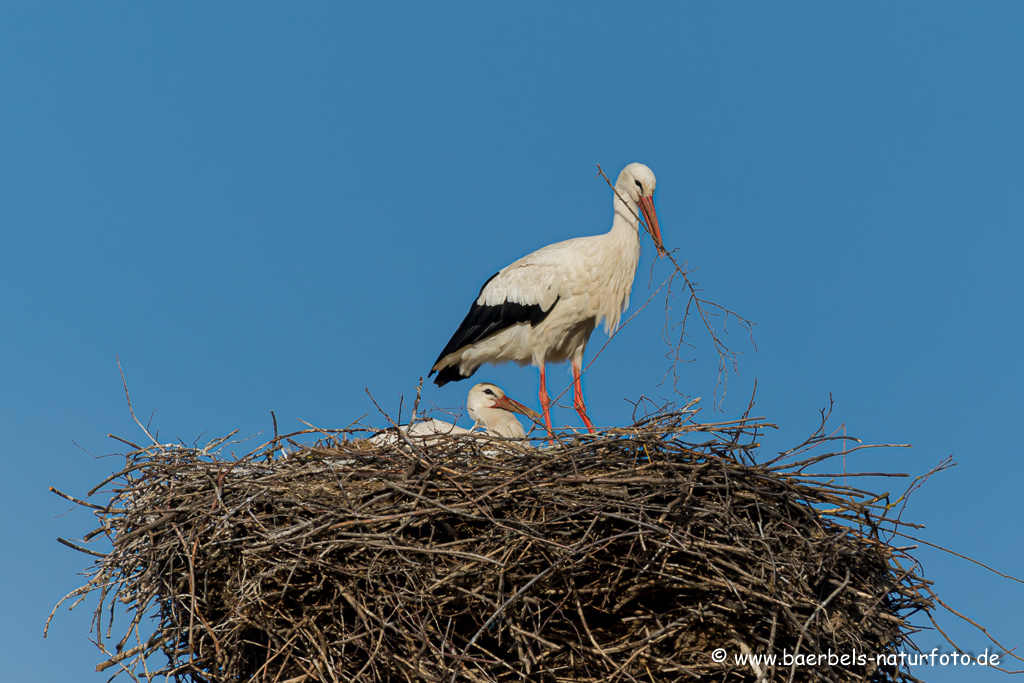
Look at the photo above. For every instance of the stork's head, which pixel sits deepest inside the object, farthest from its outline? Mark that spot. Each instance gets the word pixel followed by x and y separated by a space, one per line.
pixel 637 182
pixel 486 396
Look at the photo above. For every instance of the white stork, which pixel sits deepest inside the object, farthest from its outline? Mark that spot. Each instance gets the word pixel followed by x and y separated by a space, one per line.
pixel 488 407
pixel 543 308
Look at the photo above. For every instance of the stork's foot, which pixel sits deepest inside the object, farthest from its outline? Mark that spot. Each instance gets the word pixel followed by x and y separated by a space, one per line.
pixel 577 394
pixel 545 404
pixel 582 410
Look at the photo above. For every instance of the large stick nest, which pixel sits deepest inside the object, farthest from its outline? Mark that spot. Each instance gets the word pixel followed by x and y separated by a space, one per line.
pixel 628 556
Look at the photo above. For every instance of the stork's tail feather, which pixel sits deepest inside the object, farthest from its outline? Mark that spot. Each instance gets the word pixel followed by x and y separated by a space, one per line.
pixel 447 374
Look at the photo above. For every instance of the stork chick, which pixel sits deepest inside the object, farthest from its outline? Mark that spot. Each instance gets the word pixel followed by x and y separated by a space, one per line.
pixel 488 406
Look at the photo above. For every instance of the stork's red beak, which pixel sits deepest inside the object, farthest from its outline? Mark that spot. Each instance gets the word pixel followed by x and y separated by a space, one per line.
pixel 651 220
pixel 506 403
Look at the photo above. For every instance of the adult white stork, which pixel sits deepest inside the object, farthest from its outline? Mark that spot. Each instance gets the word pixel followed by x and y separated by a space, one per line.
pixel 489 407
pixel 544 307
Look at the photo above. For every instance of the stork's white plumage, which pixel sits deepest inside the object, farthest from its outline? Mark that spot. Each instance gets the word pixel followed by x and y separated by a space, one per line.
pixel 544 307
pixel 489 408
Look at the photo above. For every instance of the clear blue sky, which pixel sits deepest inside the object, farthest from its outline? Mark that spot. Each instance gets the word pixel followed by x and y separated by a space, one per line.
pixel 272 207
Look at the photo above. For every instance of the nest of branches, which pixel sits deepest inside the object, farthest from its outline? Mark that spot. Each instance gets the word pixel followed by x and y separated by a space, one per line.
pixel 640 554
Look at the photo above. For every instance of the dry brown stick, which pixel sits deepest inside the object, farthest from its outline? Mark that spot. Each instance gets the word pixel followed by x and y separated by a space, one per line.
pixel 129 399
pixel 76 500
pixel 112 477
pixel 163 519
pixel 79 548
pixel 962 557
pixel 1009 651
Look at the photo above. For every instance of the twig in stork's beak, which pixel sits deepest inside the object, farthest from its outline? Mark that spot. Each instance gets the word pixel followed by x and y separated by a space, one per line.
pixel 506 403
pixel 651 223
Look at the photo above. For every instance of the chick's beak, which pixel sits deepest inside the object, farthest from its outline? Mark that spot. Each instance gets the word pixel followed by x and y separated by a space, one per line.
pixel 506 403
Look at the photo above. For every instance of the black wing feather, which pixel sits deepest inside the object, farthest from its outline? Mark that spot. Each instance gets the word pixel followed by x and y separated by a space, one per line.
pixel 481 322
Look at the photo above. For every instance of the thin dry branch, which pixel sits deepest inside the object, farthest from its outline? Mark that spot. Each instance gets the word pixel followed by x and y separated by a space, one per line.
pixel 674 333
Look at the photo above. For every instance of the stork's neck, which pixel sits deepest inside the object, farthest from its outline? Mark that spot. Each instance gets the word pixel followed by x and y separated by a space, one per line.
pixel 625 224
pixel 499 422
pixel 490 417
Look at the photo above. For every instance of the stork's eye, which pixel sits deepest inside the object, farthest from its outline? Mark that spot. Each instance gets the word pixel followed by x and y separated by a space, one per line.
pixel 639 186
pixel 488 392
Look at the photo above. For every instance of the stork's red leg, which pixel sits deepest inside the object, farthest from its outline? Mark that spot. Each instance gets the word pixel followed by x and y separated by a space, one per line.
pixel 577 403
pixel 545 403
